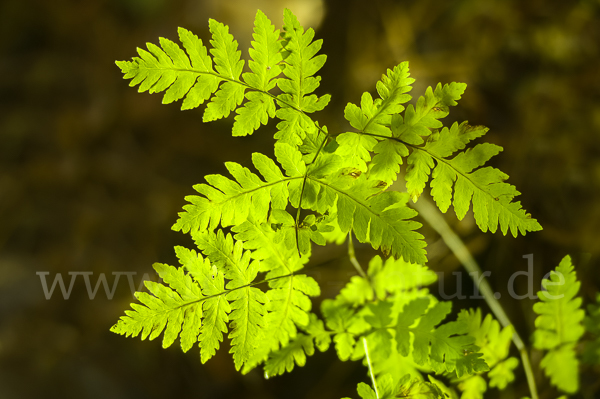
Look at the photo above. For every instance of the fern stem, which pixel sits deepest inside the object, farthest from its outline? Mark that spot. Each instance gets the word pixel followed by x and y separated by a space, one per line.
pixel 457 246
pixel 353 260
pixel 371 373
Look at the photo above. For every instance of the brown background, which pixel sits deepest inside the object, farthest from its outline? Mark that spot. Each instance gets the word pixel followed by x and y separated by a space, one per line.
pixel 92 174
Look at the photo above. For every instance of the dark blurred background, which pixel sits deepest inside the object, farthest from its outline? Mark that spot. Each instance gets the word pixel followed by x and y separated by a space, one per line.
pixel 93 174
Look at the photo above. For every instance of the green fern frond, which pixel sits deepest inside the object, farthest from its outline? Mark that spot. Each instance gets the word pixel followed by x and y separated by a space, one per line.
pixel 419 120
pixel 559 326
pixel 285 358
pixel 484 186
pixel 444 348
pixel 591 353
pixel 229 202
pixel 374 117
pixel 493 342
pixel 287 300
pixel 229 67
pixel 383 219
pixel 191 76
pixel 180 307
pixel 407 387
pixel 301 63
pixel 247 303
pixel 473 387
pixel 397 276
pixel 266 66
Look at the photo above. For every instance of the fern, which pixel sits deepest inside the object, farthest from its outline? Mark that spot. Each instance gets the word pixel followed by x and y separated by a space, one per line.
pixel 494 345
pixel 559 326
pixel 591 353
pixel 485 187
pixel 405 388
pixel 254 228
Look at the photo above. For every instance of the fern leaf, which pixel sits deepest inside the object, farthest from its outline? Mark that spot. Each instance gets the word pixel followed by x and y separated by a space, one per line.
pixel 494 345
pixel 301 63
pixel 287 302
pixel 295 352
pixel 265 53
pixel 388 157
pixel 591 353
pixel 356 149
pixel 259 108
pixel 473 387
pixel 340 319
pixel 503 373
pixel 247 303
pixel 289 305
pixel 420 119
pixel 374 117
pixel 559 326
pixel 293 126
pixel 190 76
pixel 229 65
pixel 444 348
pixel 407 387
pixel 398 276
pixel 228 256
pixel 180 307
pixel 283 359
pixel 216 308
pixel 484 186
pixel 229 202
pixel 265 66
pixel 493 342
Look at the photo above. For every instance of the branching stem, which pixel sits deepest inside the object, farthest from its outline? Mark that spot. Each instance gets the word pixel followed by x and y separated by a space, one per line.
pixel 431 214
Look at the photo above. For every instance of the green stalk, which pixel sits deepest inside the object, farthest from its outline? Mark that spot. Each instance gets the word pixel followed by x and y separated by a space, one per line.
pixel 371 373
pixel 432 216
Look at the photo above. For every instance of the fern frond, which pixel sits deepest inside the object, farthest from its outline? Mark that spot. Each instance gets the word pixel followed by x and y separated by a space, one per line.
pixel 229 202
pixel 559 326
pixel 492 198
pixel 191 76
pixel 444 348
pixel 295 352
pixel 301 64
pixel 287 302
pixel 494 345
pixel 344 323
pixel 289 305
pixel 229 66
pixel 247 303
pixel 383 219
pixel 473 387
pixel 493 342
pixel 591 353
pixel 419 120
pixel 180 307
pixel 374 117
pixel 407 387
pixel 397 276
pixel 265 66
